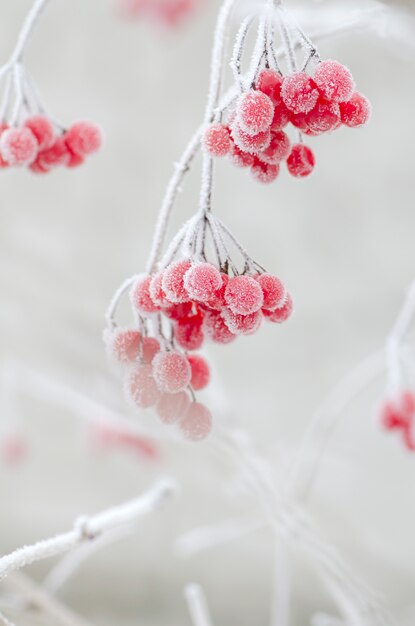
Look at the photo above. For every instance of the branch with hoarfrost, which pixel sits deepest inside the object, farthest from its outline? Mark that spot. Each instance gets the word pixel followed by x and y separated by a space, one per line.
pixel 89 528
pixel 197 605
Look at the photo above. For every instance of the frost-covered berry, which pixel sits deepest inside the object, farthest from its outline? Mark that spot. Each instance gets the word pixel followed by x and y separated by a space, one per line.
pixel 324 117
pixel 281 117
pixel 217 140
pixel 242 324
pixel 172 406
pixel 216 329
pixel 171 371
pixel 356 111
pixel 270 82
pixel 74 160
pixel 334 81
pixel 189 333
pixel 200 371
pixel 240 158
pixel 140 296
pixel 278 149
pixel 43 130
pixel 255 112
pixel 156 290
pixel 83 138
pixel 217 301
pixel 282 313
pixel 264 172
pixel 273 291
pixel 18 146
pixel 250 143
pixel 300 161
pixel 178 311
pixel 172 282
pixel 141 386
pixel 299 92
pixel 197 423
pixel 148 349
pixel 243 295
pixel 123 344
pixel 299 120
pixel 201 281
pixel 56 155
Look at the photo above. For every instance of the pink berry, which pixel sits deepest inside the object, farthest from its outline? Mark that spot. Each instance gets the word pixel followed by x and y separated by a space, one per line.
pixel 201 281
pixel 43 130
pixel 250 143
pixel 299 120
pixel 148 349
pixel 270 83
pixel 216 140
pixel 299 92
pixel 35 167
pixel 197 423
pixel 356 111
pixel 172 282
pixel 301 161
pixel 240 158
pixel 264 172
pixel 141 386
pixel 56 155
pixel 243 295
pixel 140 296
pixel 74 160
pixel 255 112
pixel 242 324
pixel 324 117
pixel 171 371
pixel 178 311
pixel 272 289
pixel 123 344
pixel 200 371
pixel 156 290
pixel 334 81
pixel 278 149
pixel 281 117
pixel 172 406
pixel 18 146
pixel 216 329
pixel 188 332
pixel 217 301
pixel 282 313
pixel 83 138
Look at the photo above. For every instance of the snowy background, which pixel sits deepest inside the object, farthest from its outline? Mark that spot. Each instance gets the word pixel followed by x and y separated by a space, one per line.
pixel 342 241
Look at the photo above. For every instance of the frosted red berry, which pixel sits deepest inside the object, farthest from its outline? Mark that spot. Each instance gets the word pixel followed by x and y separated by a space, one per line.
pixel 243 295
pixel 282 313
pixel 217 301
pixel 273 291
pixel 197 423
pixel 299 92
pixel 255 112
pixel 278 149
pixel 43 130
pixel 18 146
pixel 264 172
pixel 200 371
pixel 270 82
pixel 216 329
pixel 334 81
pixel 188 332
pixel 141 297
pixel 56 155
pixel 156 290
pixel 240 158
pixel 173 281
pixel 83 138
pixel 301 161
pixel 281 117
pixel 250 143
pixel 201 281
pixel 141 386
pixel 124 344
pixel 242 324
pixel 171 371
pixel 356 111
pixel 217 140
pixel 324 117
pixel 172 406
pixel 148 349
pixel 178 311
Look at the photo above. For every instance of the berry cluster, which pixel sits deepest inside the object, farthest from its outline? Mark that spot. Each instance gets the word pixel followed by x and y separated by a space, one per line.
pixel 38 145
pixel 399 415
pixel 254 134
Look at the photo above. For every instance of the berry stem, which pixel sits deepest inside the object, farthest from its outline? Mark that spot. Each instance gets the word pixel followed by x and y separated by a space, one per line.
pixel 113 306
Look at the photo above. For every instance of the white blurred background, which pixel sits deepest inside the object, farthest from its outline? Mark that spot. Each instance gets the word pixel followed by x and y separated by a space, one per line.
pixel 342 240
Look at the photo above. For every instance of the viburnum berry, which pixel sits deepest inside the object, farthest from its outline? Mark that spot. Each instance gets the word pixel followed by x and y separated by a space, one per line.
pixel 141 386
pixel 43 130
pixel 324 117
pixel 178 311
pixel 243 295
pixel 197 422
pixel 356 111
pixel 172 406
pixel 148 349
pixel 334 81
pixel 278 149
pixel 58 154
pixel 216 329
pixel 217 301
pixel 18 146
pixel 201 281
pixel 270 82
pixel 282 313
pixel 83 138
pixel 242 324
pixel 281 117
pixel 173 281
pixel 188 332
pixel 299 120
pixel 250 143
pixel 240 158
pixel 217 140
pixel 273 291
pixel 254 112
pixel 299 92
pixel 123 344
pixel 140 296
pixel 300 161
pixel 171 371
pixel 156 290
pixel 264 172
pixel 200 371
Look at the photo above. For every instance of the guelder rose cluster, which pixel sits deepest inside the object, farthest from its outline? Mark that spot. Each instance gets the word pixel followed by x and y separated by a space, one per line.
pixel 197 302
pixel 398 415
pixel 255 136
pixel 40 146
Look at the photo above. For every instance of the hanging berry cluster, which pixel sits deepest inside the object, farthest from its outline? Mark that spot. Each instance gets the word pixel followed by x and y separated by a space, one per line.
pixel 398 415
pixel 255 133
pixel 178 308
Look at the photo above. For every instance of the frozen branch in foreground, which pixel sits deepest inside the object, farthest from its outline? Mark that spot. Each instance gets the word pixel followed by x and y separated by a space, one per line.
pixel 196 603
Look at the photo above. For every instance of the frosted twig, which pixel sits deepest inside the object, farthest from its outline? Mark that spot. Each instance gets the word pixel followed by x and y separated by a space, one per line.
pixel 112 309
pixel 395 339
pixel 235 62
pixel 197 605
pixel 88 528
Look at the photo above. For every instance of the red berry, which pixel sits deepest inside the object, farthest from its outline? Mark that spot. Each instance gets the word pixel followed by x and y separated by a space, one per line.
pixel 240 158
pixel 243 295
pixel 156 290
pixel 216 329
pixel 216 140
pixel 141 298
pixel 264 172
pixel 272 289
pixel 123 344
pixel 172 282
pixel 255 112
pixel 83 138
pixel 56 155
pixel 281 117
pixel 200 371
pixel 299 120
pixel 18 146
pixel 278 149
pixel 142 387
pixel 148 349
pixel 282 313
pixel 172 406
pixel 217 301
pixel 197 423
pixel 242 324
pixel 178 311
pixel 250 143
pixel 43 130
pixel 301 161
pixel 334 81
pixel 189 333
pixel 299 92
pixel 324 117
pixel 356 111
pixel 270 83
pixel 171 371
pixel 201 281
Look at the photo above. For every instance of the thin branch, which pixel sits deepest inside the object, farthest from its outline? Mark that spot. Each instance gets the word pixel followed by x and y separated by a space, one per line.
pixel 197 605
